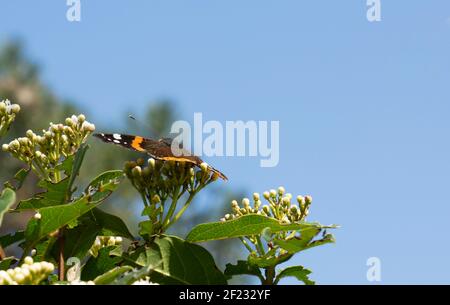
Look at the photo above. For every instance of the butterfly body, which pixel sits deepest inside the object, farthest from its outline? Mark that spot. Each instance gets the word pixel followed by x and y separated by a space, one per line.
pixel 158 149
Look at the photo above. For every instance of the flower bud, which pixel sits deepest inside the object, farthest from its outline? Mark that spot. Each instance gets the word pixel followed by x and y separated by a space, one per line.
pixel 281 191
pixel 37 216
pixel 273 193
pixel 30 134
pixel 286 201
pixel 14 144
pixel 81 118
pixel 28 260
pixel 87 127
pixel 255 196
pixel 15 108
pixel 155 199
pixel 300 200
pixel 5 147
pixel 74 120
pixel 136 171
pixel 266 195
pixel 308 200
pixel 204 166
pixel 245 202
pixel 151 162
pixel 48 135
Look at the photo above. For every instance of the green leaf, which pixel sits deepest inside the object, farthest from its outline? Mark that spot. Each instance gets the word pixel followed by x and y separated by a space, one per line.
pixel 44 248
pixel 112 275
pixel 6 263
pixel 9 239
pixel 296 271
pixel 18 180
pixel 268 260
pixel 133 276
pixel 242 268
pixel 179 262
pixel 79 240
pixel 7 199
pixel 304 242
pixel 146 228
pixel 75 168
pixel 110 225
pixel 55 217
pixel 57 193
pixel 104 262
pixel 54 195
pixel 246 225
pixel 103 185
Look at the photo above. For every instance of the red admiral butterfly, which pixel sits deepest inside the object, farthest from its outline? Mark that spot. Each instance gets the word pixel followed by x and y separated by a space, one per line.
pixel 158 149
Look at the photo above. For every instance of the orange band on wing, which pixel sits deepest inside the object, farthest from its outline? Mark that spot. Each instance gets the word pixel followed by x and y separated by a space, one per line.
pixel 136 144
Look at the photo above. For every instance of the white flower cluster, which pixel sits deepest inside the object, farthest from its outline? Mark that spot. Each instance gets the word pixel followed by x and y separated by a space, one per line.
pixel 144 281
pixel 104 241
pixel 8 113
pixel 30 273
pixel 45 151
pixel 279 206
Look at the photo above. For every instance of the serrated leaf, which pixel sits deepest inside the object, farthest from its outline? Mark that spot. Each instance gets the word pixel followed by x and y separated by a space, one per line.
pixel 18 180
pixel 133 276
pixel 242 268
pixel 268 260
pixel 246 225
pixel 303 242
pixel 112 275
pixel 54 195
pixel 55 217
pixel 299 272
pixel 179 262
pixel 7 199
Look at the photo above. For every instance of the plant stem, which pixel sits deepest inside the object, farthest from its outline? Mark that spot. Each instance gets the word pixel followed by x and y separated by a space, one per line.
pixel 186 205
pixel 61 269
pixel 246 244
pixel 2 253
pixel 270 276
pixel 259 245
pixel 173 206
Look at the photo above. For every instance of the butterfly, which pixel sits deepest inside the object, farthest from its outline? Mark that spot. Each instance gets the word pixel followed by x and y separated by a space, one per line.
pixel 158 149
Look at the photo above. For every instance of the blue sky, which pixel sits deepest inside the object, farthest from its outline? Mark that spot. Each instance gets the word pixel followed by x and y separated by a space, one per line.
pixel 363 107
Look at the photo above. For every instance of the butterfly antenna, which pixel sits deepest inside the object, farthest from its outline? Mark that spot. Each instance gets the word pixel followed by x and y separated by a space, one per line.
pixel 147 126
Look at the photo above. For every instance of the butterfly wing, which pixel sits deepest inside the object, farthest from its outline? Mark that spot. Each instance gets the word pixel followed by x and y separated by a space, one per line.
pixel 160 149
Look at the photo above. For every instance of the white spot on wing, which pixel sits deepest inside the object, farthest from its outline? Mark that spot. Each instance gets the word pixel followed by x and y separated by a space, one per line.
pixel 116 141
pixel 117 136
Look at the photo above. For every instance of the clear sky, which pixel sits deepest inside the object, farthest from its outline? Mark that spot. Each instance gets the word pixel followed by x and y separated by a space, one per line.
pixel 363 107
